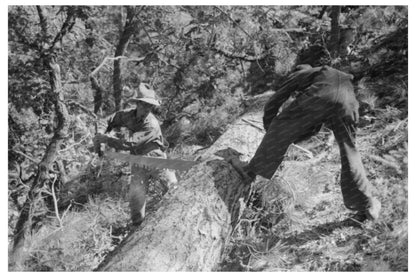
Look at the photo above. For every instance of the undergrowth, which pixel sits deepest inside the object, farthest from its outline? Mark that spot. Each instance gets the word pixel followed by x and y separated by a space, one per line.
pixel 81 240
pixel 297 221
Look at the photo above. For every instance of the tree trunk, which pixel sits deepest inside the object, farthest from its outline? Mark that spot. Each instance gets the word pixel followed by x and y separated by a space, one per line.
pixel 194 221
pixel 24 223
pixel 128 30
pixel 335 31
pixel 98 94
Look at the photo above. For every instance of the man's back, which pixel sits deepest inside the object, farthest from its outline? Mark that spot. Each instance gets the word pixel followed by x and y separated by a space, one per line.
pixel 324 82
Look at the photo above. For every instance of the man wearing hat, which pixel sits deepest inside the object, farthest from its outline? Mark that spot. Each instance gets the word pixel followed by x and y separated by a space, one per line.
pixel 142 136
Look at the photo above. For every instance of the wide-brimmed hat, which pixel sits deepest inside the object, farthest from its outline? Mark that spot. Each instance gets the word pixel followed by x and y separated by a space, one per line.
pixel 145 94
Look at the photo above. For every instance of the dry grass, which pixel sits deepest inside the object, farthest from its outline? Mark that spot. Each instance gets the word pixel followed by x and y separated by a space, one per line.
pixel 94 220
pixel 309 232
pixel 295 222
pixel 87 234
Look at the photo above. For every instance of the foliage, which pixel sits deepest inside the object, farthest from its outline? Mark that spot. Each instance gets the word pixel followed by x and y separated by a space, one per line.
pixel 203 61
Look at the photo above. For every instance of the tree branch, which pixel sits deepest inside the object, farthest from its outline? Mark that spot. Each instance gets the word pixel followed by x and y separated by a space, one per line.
pixel 24 223
pixel 147 34
pixel 26 156
pixel 238 25
pixel 66 27
pixel 98 95
pixel 83 108
pixel 103 63
pixel 140 59
pixel 55 202
pixel 42 21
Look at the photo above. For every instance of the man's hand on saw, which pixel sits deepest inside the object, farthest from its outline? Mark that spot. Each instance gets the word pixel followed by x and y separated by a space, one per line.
pixel 241 168
pixel 98 140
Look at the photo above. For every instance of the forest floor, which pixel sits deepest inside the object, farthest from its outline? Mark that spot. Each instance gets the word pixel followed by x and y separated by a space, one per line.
pixel 295 222
pixel 298 221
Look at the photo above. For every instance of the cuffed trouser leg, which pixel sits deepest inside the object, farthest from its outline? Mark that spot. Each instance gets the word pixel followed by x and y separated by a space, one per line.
pixel 355 187
pixel 140 179
pixel 137 194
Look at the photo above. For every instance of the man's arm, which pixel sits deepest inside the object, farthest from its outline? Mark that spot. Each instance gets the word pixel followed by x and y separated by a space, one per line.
pixel 298 80
pixel 116 121
pixel 149 132
pixel 137 143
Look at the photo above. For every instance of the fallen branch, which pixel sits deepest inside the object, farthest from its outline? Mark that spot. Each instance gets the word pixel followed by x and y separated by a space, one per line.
pixel 26 156
pixel 249 122
pixel 389 132
pixel 308 153
pixel 395 144
pixel 73 145
pixel 385 162
pixel 399 124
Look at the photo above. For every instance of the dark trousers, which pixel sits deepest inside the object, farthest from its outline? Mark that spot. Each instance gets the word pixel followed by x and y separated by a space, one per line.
pixel 299 121
pixel 139 183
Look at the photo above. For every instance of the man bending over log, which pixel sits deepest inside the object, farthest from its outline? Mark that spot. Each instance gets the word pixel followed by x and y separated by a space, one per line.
pixel 142 136
pixel 324 96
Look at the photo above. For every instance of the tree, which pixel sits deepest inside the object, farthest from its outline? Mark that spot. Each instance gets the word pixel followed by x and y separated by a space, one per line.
pixel 47 48
pixel 127 31
pixel 334 41
pixel 203 61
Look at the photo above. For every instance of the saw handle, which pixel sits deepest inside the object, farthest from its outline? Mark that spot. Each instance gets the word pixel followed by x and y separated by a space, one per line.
pixel 99 147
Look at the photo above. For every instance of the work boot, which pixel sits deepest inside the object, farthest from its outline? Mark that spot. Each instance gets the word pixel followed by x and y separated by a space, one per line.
pixel 242 169
pixel 371 213
pixel 358 217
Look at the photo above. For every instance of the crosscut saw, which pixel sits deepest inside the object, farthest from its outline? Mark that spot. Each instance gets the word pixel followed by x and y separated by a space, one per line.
pixel 153 162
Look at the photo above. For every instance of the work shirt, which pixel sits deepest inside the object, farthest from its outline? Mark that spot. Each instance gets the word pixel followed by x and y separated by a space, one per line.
pixel 139 135
pixel 324 82
pixel 325 96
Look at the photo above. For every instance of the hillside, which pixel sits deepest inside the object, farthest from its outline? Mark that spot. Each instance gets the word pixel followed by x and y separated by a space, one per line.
pixel 212 69
pixel 299 222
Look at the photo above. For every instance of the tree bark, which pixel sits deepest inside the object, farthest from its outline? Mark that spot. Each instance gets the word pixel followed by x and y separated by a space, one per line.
pixel 24 223
pixel 128 30
pixel 98 94
pixel 194 221
pixel 335 31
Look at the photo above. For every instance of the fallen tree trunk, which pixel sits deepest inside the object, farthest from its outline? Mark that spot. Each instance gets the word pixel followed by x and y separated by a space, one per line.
pixel 191 227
